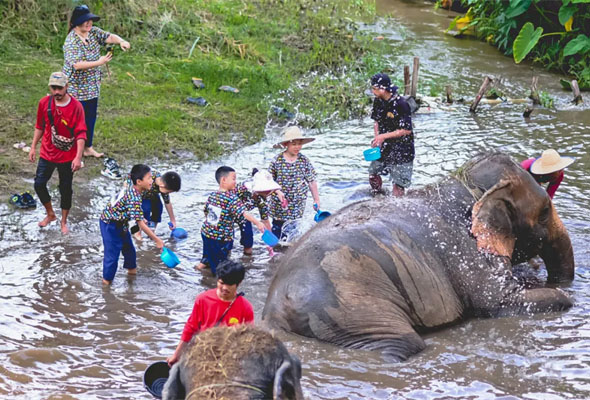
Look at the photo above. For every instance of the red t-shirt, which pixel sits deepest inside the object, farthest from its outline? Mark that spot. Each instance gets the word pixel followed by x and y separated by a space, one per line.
pixel 208 309
pixel 71 115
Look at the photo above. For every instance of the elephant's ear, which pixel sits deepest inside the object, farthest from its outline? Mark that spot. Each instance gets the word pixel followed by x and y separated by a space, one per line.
pixel 492 220
pixel 286 381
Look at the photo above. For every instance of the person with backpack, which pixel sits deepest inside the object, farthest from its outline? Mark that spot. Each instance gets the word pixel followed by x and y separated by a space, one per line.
pixel 62 131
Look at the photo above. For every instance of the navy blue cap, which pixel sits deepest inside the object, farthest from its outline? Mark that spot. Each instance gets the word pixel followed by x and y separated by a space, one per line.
pixel 82 14
pixel 382 81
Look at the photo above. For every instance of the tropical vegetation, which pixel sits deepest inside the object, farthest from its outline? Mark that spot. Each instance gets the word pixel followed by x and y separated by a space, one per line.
pixel 555 34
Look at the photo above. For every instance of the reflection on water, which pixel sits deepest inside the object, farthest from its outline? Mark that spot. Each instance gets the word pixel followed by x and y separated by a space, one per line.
pixel 62 335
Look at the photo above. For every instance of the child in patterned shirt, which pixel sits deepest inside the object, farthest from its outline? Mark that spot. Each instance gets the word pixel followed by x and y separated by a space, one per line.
pixel 253 194
pixel 151 204
pixel 114 229
pixel 223 209
pixel 294 172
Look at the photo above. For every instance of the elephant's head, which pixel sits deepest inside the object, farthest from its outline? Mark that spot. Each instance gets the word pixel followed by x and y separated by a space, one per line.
pixel 241 362
pixel 516 218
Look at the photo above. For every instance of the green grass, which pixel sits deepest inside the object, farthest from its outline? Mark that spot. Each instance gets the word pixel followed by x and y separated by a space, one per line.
pixel 285 53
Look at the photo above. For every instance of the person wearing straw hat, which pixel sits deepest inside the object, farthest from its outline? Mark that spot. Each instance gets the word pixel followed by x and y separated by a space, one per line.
pixel 294 172
pixel 393 133
pixel 548 169
pixel 253 194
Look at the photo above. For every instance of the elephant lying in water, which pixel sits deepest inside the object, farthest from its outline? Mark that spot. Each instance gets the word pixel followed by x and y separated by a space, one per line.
pixel 380 271
pixel 238 363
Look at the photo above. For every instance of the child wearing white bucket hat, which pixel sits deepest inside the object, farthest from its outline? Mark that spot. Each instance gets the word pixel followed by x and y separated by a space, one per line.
pixel 253 194
pixel 548 169
pixel 294 172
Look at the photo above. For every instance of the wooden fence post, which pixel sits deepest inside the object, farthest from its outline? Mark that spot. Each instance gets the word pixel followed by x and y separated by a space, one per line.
pixel 577 95
pixel 535 91
pixel 449 94
pixel 406 80
pixel 415 77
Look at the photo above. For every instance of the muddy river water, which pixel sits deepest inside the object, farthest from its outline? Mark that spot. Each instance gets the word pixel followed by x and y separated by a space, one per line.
pixel 65 336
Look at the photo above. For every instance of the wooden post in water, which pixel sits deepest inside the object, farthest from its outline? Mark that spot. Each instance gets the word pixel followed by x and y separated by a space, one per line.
pixel 449 94
pixel 406 80
pixel 577 95
pixel 414 88
pixel 535 91
pixel 528 111
pixel 484 86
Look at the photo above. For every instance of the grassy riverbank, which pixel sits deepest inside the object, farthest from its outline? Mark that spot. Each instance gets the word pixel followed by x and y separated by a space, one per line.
pixel 286 54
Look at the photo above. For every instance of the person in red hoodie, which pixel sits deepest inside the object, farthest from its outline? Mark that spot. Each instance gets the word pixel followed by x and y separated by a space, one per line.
pixel 222 305
pixel 62 131
pixel 548 169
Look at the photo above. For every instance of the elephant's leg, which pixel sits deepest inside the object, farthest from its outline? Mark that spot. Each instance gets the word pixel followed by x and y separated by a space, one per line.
pixel 538 300
pixel 501 294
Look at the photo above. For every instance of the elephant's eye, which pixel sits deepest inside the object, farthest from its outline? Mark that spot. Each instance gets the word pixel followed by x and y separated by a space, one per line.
pixel 544 215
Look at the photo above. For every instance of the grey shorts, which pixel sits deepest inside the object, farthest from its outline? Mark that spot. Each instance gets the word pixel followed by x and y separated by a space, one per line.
pixel 400 174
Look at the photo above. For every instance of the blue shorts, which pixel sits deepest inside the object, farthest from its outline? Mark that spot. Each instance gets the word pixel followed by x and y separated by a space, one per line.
pixel 116 239
pixel 215 251
pixel 152 209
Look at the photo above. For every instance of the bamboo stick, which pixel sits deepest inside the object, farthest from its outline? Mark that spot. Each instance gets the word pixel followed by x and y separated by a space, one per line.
pixel 406 80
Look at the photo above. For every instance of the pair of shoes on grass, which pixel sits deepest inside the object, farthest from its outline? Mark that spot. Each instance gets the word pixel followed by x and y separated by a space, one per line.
pixel 23 200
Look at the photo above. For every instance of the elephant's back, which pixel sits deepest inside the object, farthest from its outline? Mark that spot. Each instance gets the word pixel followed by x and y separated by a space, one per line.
pixel 369 259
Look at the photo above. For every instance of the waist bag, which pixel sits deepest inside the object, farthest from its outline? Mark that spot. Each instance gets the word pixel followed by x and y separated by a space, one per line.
pixel 60 142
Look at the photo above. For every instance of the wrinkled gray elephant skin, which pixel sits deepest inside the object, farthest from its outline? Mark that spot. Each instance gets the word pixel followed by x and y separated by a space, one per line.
pixel 238 363
pixel 381 271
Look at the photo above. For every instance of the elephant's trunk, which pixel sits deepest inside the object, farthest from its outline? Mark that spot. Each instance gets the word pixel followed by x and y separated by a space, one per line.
pixel 558 253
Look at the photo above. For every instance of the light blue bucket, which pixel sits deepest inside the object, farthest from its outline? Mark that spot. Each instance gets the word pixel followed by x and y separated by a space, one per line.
pixel 169 258
pixel 270 238
pixel 321 215
pixel 372 154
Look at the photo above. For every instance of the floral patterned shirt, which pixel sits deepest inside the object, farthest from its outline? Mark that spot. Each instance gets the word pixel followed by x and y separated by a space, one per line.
pixel 124 207
pixel 222 210
pixel 84 84
pixel 154 191
pixel 294 179
pixel 251 202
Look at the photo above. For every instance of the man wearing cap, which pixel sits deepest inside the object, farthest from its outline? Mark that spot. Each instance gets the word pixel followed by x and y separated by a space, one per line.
pixel 61 115
pixel 393 133
pixel 548 169
pixel 82 62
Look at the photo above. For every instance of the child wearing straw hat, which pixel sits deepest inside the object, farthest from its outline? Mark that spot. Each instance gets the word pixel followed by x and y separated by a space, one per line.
pixel 294 172
pixel 548 169
pixel 253 194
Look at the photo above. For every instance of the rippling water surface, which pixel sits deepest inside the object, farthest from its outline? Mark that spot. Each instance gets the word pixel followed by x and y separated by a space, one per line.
pixel 63 335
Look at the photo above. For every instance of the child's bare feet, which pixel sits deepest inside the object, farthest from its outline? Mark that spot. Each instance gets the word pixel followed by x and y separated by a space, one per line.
pixel 105 282
pixel 201 266
pixel 247 251
pixel 47 220
pixel 132 271
pixel 64 229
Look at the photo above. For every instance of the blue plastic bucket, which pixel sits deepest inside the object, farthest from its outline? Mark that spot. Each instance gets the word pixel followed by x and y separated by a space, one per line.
pixel 178 233
pixel 169 258
pixel 269 238
pixel 372 154
pixel 321 215
pixel 155 377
